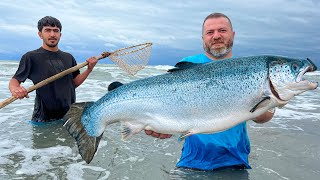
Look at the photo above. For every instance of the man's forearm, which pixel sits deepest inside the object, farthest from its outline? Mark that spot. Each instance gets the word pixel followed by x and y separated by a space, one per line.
pixel 81 77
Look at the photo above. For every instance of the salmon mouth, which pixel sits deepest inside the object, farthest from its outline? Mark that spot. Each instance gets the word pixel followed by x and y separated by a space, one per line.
pixel 300 77
pixel 309 68
pixel 313 66
pixel 303 83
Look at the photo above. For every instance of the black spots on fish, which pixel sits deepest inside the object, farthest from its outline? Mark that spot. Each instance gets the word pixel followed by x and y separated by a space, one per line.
pixel 207 85
pixel 279 68
pixel 285 68
pixel 174 90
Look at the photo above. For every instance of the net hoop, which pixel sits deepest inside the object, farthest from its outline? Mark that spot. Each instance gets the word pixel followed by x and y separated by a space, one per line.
pixel 133 58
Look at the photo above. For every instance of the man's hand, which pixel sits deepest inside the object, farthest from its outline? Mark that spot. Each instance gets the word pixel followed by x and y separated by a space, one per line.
pixel 77 81
pixel 92 62
pixel 157 135
pixel 19 92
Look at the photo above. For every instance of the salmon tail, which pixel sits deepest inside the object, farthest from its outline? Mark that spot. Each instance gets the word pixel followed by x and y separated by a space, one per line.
pixel 87 145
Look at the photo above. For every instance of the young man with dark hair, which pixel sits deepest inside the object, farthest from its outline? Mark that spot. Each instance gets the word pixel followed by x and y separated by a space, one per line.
pixel 53 100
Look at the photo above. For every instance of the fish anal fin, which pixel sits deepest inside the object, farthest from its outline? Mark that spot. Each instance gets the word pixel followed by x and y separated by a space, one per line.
pixel 260 103
pixel 129 129
pixel 87 145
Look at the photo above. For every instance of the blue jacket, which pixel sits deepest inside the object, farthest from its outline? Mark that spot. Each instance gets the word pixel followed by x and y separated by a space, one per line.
pixel 211 151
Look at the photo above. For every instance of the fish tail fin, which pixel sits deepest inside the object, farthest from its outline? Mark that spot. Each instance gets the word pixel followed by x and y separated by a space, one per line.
pixel 87 145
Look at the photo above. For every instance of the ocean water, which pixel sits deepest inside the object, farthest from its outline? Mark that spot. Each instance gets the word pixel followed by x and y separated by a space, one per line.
pixel 287 147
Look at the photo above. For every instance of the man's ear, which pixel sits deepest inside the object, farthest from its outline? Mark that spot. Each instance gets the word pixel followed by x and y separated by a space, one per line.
pixel 40 35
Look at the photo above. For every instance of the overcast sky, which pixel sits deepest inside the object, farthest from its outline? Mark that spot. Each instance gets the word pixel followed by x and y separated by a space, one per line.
pixel 279 27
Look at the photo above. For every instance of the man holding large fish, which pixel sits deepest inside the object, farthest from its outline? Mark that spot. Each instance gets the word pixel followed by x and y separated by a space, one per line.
pixel 203 94
pixel 230 147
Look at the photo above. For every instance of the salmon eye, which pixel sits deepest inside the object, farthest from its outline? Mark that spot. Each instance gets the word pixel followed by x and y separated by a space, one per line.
pixel 295 67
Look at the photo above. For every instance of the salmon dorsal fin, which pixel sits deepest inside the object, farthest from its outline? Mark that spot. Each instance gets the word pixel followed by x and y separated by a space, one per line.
pixel 182 66
pixel 114 85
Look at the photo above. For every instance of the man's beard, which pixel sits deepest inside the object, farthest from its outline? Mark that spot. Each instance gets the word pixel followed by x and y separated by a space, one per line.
pixel 219 52
pixel 51 45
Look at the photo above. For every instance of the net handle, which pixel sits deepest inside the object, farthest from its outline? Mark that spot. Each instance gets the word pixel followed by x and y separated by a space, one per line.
pixel 68 71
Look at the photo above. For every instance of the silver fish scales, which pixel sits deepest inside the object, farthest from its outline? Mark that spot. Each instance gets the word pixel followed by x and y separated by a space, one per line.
pixel 191 99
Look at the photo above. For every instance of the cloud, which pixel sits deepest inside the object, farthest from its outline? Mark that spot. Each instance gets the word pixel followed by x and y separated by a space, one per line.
pixel 16 28
pixel 172 26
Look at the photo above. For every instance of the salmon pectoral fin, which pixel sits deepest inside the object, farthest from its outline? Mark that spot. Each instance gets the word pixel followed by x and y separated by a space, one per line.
pixel 259 103
pixel 87 145
pixel 183 136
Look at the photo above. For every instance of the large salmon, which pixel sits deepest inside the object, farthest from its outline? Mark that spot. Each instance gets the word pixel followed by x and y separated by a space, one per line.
pixel 191 99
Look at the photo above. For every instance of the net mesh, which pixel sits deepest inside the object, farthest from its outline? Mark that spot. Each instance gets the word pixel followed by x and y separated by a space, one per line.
pixel 132 59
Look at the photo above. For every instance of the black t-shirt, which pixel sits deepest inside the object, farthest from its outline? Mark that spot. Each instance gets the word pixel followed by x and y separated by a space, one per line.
pixel 54 99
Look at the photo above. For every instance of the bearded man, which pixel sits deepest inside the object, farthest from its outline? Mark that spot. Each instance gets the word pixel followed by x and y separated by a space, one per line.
pixel 230 148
